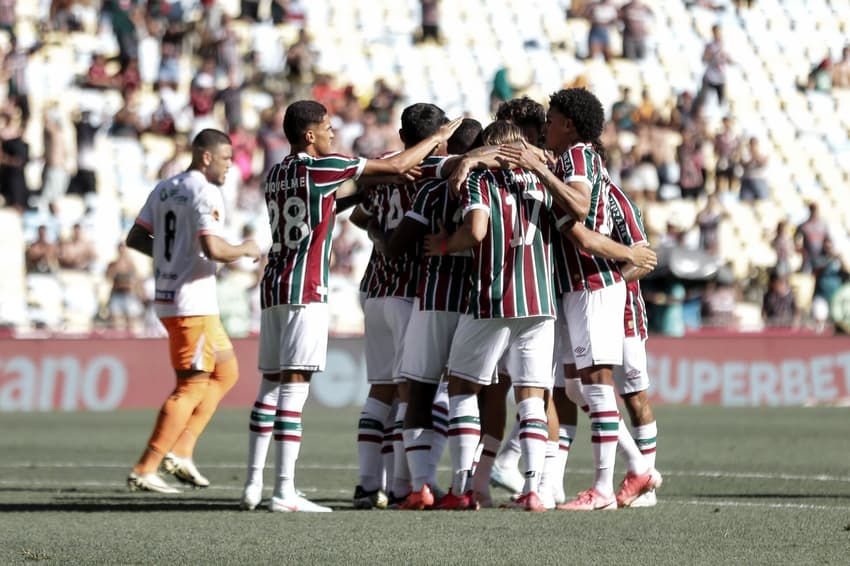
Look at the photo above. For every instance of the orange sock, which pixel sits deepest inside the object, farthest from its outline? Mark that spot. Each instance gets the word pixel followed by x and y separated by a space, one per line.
pixel 223 378
pixel 171 421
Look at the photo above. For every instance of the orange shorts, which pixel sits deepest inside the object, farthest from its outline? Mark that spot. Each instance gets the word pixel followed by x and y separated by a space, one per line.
pixel 194 340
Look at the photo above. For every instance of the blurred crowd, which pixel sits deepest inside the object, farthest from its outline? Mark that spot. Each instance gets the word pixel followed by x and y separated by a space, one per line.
pixel 132 81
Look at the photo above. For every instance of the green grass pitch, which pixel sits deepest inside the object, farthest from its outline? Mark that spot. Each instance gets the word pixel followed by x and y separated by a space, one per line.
pixel 742 486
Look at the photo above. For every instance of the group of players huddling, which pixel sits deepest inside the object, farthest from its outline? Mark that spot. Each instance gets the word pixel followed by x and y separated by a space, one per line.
pixel 503 256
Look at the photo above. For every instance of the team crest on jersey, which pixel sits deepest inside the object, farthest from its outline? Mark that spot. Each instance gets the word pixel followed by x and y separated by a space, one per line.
pixel 163 194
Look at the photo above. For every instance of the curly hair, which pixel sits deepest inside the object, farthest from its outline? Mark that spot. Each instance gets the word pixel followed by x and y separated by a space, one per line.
pixel 524 112
pixel 583 109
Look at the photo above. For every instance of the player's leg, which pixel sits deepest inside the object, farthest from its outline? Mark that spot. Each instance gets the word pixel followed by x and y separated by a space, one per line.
pixel 426 352
pixel 376 410
pixel 398 317
pixel 476 349
pixel 491 405
pixel 303 350
pixel 552 477
pixel 595 321
pixel 225 374
pixel 440 424
pixel 633 383
pixel 529 362
pixel 193 360
pixel 505 472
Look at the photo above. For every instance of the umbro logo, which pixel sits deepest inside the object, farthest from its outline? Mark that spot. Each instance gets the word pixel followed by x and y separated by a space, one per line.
pixel 633 374
pixel 580 351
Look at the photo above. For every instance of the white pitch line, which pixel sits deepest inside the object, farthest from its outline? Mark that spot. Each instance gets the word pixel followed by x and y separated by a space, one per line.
pixel 716 474
pixel 806 506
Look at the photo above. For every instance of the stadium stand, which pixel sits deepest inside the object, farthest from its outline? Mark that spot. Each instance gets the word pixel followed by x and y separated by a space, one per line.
pixel 772 45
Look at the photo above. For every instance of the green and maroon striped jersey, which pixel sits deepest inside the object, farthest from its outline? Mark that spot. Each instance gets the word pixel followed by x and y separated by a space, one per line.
pixel 443 280
pixel 629 231
pixel 300 194
pixel 512 267
pixel 585 271
pixel 388 203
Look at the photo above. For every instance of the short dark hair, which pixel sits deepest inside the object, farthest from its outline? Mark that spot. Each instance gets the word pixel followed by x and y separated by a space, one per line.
pixel 583 109
pixel 420 120
pixel 466 137
pixel 208 139
pixel 524 112
pixel 500 132
pixel 299 117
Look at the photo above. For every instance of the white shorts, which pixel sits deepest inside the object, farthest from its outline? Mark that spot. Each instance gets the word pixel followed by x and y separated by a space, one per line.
pixel 562 352
pixel 385 319
pixel 632 376
pixel 293 337
pixel 427 343
pixel 526 344
pixel 595 321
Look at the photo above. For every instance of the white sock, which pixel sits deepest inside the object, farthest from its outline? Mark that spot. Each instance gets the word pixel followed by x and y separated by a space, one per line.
pixel 401 472
pixel 417 447
pixel 565 440
pixel 287 435
pixel 605 426
pixel 464 435
pixel 549 477
pixel 387 452
pixel 646 437
pixel 533 436
pixel 627 448
pixel 508 456
pixel 481 478
pixel 440 422
pixel 370 437
pixel 261 429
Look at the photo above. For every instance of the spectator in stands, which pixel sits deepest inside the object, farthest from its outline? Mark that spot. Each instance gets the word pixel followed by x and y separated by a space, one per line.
pixel 14 156
pixel 708 220
pixel 691 166
pixel 726 147
pixel 270 137
pixel 127 123
pixel 647 113
pixel 129 79
pixel 636 17
pixel 715 58
pixel 120 13
pixel 202 96
pixel 61 16
pixel 685 113
pixel 7 16
pixel 125 305
pixel 720 300
pixel 383 102
pixel 169 65
pixel 84 180
pixel 783 244
pixel 372 142
pixel 430 20
pixel 98 76
pixel 77 252
pixel 176 163
pixel 603 16
pixel 809 238
pixel 231 98
pixel 754 175
pixel 779 307
pixel 346 244
pixel 300 59
pixel 14 71
pixel 42 255
pixel 243 144
pixel 54 176
pixel 841 70
pixel 830 273
pixel 624 111
pixel 819 78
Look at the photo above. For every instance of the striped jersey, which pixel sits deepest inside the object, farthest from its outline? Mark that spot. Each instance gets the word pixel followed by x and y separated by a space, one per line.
pixel 629 231
pixel 443 280
pixel 388 203
pixel 512 267
pixel 586 272
pixel 177 212
pixel 300 194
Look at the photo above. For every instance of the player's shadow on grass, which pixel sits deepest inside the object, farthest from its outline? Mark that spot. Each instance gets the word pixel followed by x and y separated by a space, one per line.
pixel 101 506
